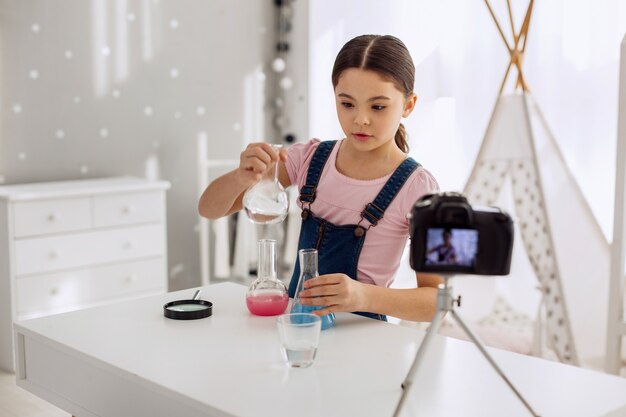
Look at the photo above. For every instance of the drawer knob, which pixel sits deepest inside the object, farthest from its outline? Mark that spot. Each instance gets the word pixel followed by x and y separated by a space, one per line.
pixel 54 291
pixel 129 245
pixel 53 217
pixel 128 208
pixel 54 254
pixel 130 278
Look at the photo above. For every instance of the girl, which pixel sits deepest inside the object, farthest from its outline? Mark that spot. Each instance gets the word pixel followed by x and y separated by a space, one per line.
pixel 354 193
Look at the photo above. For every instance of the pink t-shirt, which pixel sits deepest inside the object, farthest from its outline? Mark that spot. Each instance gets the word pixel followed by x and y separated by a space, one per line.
pixel 340 200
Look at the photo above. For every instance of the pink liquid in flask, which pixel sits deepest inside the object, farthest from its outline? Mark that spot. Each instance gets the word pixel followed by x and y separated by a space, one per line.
pixel 267 304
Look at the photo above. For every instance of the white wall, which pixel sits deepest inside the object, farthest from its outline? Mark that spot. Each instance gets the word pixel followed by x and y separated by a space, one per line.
pixel 116 87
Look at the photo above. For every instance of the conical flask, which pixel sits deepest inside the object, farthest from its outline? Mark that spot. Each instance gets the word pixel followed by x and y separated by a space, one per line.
pixel 267 296
pixel 308 270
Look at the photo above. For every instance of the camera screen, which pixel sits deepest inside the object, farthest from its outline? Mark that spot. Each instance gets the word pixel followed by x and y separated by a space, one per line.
pixel 447 247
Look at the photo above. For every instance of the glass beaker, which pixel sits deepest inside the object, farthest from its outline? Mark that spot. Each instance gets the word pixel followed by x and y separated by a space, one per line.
pixel 267 201
pixel 308 270
pixel 267 295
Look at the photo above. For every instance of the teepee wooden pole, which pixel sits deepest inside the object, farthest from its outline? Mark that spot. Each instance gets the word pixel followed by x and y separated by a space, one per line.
pixel 526 24
pixel 508 6
pixel 523 35
pixel 495 19
pixel 506 75
pixel 516 54
pixel 517 60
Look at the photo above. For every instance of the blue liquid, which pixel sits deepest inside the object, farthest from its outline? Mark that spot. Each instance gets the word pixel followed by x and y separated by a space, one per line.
pixel 328 320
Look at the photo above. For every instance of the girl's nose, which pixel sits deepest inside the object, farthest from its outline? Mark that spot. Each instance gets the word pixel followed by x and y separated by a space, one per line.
pixel 361 119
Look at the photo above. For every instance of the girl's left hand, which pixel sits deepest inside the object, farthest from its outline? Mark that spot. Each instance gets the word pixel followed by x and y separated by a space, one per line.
pixel 338 292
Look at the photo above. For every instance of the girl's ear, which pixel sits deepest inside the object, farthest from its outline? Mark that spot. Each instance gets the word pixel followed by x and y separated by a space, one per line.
pixel 409 104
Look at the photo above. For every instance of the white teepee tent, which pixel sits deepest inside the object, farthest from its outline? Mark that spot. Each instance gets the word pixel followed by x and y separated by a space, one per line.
pixel 554 220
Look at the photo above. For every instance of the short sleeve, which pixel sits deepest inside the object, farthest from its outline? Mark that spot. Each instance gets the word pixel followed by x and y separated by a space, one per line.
pixel 421 183
pixel 299 157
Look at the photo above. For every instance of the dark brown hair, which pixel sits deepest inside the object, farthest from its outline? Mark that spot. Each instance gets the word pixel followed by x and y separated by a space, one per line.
pixel 385 55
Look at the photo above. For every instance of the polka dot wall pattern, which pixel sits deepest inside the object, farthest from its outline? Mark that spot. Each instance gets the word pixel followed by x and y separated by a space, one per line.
pixel 111 86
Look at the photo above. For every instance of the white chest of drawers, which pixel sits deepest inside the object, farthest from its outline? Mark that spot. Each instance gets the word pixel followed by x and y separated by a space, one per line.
pixel 74 244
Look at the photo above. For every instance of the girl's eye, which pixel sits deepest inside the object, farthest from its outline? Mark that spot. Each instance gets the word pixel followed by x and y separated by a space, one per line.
pixel 346 104
pixel 378 107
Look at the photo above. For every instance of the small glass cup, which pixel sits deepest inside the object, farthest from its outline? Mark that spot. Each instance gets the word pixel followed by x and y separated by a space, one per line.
pixel 299 337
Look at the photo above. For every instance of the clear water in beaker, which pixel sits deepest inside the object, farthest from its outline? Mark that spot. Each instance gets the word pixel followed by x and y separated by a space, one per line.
pixel 267 202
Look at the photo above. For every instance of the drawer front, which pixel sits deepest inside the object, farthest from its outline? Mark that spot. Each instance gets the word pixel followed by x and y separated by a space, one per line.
pixel 54 293
pixel 128 208
pixel 55 253
pixel 51 216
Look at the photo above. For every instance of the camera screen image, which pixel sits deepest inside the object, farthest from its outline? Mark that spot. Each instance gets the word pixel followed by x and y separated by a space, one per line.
pixel 448 246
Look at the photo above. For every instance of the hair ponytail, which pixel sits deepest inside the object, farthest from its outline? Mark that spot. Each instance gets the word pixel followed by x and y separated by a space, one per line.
pixel 401 139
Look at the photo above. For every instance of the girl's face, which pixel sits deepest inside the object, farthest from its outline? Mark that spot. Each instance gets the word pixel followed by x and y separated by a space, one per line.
pixel 370 108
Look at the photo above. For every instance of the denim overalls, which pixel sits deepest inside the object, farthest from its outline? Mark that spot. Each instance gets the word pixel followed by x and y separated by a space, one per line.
pixel 339 247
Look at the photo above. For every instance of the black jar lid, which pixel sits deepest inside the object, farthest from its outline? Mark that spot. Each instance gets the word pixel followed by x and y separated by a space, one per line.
pixel 188 309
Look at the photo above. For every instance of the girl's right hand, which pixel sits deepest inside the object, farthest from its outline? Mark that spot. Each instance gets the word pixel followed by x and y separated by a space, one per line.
pixel 256 160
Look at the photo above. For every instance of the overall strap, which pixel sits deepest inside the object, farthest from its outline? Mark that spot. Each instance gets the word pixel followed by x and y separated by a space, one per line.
pixel 373 212
pixel 307 192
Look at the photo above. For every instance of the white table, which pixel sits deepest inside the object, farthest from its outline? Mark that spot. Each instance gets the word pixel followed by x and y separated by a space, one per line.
pixel 126 359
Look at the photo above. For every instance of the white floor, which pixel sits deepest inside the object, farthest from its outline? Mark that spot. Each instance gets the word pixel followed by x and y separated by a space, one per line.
pixel 16 402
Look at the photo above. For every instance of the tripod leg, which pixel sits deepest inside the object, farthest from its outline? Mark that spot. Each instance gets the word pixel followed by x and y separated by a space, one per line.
pixel 482 349
pixel 432 330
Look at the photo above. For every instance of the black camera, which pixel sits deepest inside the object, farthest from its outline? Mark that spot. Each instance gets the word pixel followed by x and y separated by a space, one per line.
pixel 448 235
